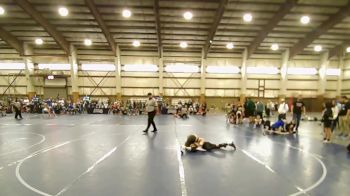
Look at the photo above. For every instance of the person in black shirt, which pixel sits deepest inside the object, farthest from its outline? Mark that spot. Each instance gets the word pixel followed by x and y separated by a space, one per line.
pixel 344 115
pixel 298 108
pixel 327 118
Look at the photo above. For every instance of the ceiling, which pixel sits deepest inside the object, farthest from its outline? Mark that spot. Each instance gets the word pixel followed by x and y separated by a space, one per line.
pixel 160 24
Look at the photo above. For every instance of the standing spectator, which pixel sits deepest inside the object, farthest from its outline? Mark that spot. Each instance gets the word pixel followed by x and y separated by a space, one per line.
pixel 297 109
pixel 151 106
pixel 17 108
pixel 283 109
pixel 344 115
pixel 335 111
pixel 327 118
pixel 204 109
pixel 267 109
pixel 250 110
pixel 260 107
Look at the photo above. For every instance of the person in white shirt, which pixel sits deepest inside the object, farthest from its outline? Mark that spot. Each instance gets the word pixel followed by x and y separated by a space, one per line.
pixel 283 108
pixel 335 110
pixel 151 109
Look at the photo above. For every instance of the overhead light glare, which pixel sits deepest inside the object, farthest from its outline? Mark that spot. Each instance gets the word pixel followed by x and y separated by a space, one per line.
pixel 98 67
pixel 318 48
pixel 63 11
pixel 140 68
pixel 333 72
pixel 2 11
pixel 348 49
pixel 274 47
pixel 248 17
pixel 126 13
pixel 136 43
pixel 230 46
pixel 263 70
pixel 188 15
pixel 12 66
pixel 302 71
pixel 223 69
pixel 183 45
pixel 87 42
pixel 181 68
pixel 39 41
pixel 305 20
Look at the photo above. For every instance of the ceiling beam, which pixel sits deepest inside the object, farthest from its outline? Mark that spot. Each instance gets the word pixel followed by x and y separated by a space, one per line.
pixel 157 18
pixel 93 9
pixel 12 41
pixel 338 50
pixel 218 16
pixel 323 28
pixel 278 16
pixel 51 30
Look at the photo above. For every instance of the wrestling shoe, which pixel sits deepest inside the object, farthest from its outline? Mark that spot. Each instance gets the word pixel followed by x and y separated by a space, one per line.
pixel 233 145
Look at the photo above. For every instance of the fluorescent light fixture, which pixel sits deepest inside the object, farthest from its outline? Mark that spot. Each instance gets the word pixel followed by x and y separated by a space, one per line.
pixel 274 47
pixel 348 49
pixel 136 43
pixel 333 72
pixel 63 67
pixel 87 42
pixel 181 68
pixel 318 48
pixel 188 15
pixel 39 41
pixel 305 20
pixel 63 11
pixel 223 69
pixel 248 17
pixel 230 46
pixel 140 68
pixel 126 13
pixel 98 67
pixel 263 70
pixel 301 71
pixel 12 66
pixel 183 45
pixel 2 11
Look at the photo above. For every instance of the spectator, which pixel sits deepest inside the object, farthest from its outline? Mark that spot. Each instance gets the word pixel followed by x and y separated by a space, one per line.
pixel 283 109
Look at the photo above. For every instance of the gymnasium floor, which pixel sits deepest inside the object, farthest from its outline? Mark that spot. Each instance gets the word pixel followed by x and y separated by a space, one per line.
pixel 109 155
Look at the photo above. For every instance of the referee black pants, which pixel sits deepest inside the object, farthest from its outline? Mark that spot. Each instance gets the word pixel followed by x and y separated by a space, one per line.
pixel 151 116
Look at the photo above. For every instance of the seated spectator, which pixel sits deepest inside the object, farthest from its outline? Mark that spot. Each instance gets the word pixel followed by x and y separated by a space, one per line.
pixel 258 121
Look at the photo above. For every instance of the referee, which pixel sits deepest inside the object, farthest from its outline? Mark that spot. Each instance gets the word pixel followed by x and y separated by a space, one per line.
pixel 151 106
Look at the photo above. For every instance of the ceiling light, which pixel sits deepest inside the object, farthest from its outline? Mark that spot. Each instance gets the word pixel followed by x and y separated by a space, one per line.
pixel 348 49
pixel 63 11
pixel 274 47
pixel 248 17
pixel 333 72
pixel 181 68
pixel 301 71
pixel 136 43
pixel 188 15
pixel 318 48
pixel 2 11
pixel 126 13
pixel 305 19
pixel 230 46
pixel 183 45
pixel 87 42
pixel 263 70
pixel 39 41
